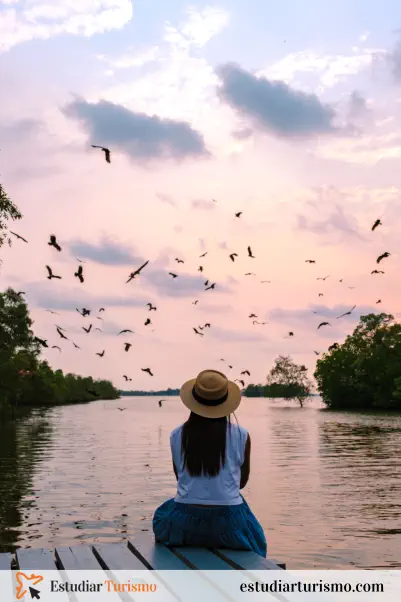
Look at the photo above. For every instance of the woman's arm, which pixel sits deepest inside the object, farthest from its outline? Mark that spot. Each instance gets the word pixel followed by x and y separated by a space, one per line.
pixel 246 467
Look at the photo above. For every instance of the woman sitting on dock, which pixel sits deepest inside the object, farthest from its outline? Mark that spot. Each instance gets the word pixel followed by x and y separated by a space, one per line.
pixel 211 461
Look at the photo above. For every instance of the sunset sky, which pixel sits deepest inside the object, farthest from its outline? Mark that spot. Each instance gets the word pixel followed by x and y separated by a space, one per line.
pixel 289 112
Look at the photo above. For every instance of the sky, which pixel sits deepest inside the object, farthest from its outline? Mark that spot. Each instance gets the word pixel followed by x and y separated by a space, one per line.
pixel 291 116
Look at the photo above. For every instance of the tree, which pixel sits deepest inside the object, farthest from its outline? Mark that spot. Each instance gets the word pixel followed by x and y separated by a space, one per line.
pixel 7 211
pixel 365 371
pixel 289 380
pixel 254 391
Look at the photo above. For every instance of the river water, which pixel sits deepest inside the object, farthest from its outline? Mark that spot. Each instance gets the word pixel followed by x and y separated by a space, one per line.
pixel 326 486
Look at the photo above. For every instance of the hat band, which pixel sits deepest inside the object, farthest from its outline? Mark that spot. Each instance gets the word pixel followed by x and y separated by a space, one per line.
pixel 209 402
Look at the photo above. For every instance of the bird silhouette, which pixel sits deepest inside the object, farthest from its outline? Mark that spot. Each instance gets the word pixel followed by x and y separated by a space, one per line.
pixel 197 332
pixel 148 370
pixel 200 268
pixel 233 256
pixel 378 301
pixel 207 325
pixel 195 302
pixel 252 316
pixel 100 354
pixel 179 260
pixel 84 312
pixel 126 377
pixel 377 272
pixel 323 278
pixel 75 345
pixel 203 254
pixel 321 295
pixel 230 366
pixel 105 150
pixel 310 261
pixel 99 318
pixel 238 214
pixel 347 313
pixel 250 253
pixel 42 342
pixel 79 273
pixel 87 330
pixel 382 256
pixel 151 307
pixel 127 346
pixel 53 243
pixel 99 329
pixel 377 223
pixel 250 274
pixel 290 334
pixel 50 272
pixel 52 312
pixel 160 402
pixel 62 335
pixel 210 287
pixel 137 272
pixel 147 322
pixel 56 347
pixel 238 380
pixel 121 409
pixel 206 283
pixel 18 236
pixel 173 275
pixel 246 372
pixel 316 352
pixel 351 287
pixel 323 324
pixel 125 330
pixel 101 309
pixel 333 346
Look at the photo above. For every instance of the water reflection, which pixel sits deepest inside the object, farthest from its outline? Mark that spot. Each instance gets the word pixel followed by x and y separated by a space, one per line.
pixel 325 486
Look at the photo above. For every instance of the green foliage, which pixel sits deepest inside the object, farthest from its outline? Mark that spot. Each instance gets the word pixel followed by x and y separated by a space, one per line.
pixel 25 379
pixel 289 380
pixel 365 371
pixel 7 211
pixel 254 391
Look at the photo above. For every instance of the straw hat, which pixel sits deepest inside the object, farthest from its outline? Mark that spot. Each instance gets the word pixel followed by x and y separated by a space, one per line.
pixel 211 394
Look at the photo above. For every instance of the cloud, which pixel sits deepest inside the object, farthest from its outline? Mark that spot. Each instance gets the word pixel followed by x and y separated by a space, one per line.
pixel 224 334
pixel 42 20
pixel 165 198
pixel 106 252
pixel 336 222
pixel 185 285
pixel 199 28
pixel 357 104
pixel 273 105
pixel 137 135
pixel 41 295
pixel 394 58
pixel 243 134
pixel 202 204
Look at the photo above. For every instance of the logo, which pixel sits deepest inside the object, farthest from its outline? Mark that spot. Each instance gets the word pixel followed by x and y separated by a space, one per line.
pixel 23 587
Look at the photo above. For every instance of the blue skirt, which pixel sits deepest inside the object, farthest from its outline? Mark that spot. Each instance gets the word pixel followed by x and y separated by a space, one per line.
pixel 232 527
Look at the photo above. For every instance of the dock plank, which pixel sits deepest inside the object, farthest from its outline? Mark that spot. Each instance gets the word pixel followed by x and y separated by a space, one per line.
pixel 5 561
pixel 77 558
pixel 6 577
pixel 36 559
pixel 155 555
pixel 241 559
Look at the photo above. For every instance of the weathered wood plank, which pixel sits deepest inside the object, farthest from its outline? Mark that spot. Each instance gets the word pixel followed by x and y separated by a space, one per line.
pixel 155 555
pixel 202 559
pixel 6 577
pixel 77 558
pixel 38 559
pixel 117 556
pixel 241 559
pixel 281 565
pixel 5 561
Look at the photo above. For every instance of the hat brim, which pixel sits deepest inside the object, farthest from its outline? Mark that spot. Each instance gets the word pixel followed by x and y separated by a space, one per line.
pixel 224 409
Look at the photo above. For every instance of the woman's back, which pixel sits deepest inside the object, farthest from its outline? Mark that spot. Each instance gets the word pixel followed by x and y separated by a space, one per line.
pixel 224 487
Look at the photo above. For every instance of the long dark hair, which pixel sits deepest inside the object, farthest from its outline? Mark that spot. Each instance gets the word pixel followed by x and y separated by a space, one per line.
pixel 203 444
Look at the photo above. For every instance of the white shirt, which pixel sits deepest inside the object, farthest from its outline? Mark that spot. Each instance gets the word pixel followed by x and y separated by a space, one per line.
pixel 223 489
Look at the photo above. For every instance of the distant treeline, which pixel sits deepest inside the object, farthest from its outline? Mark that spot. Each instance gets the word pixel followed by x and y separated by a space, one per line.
pixel 167 392
pixel 27 380
pixel 275 390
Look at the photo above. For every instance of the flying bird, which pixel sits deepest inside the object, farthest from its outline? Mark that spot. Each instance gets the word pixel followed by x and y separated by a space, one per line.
pixel 233 255
pixel 148 321
pixel 75 345
pixel 207 325
pixel 347 313
pixel 200 268
pixel 333 346
pixel 79 273
pixel 197 332
pixel 321 295
pixel 160 402
pixel 195 302
pixel 173 275
pixel 210 287
pixel 53 243
pixel 126 377
pixel 377 272
pixel 151 307
pixel 377 223
pixel 316 352
pixel 99 329
pixel 148 370
pixel 252 316
pixel 56 347
pixel 101 309
pixel 378 301
pixel 323 278
pixel 382 256
pixel 121 409
pixel 127 346
pixel 100 354
pixel 238 214
pixel 42 342
pixel 51 275
pixel 310 261
pixel 87 330
pixel 179 260
pixel 105 150
pixel 125 330
pixel 290 334
pixel 246 372
pixel 18 236
pixel 61 334
pixel 323 324
pixel 203 254
pixel 52 312
pixel 238 380
pixel 250 253
pixel 137 272
pixel 84 312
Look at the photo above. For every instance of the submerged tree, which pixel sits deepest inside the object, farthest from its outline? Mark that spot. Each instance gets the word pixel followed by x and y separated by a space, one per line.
pixel 365 371
pixel 288 380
